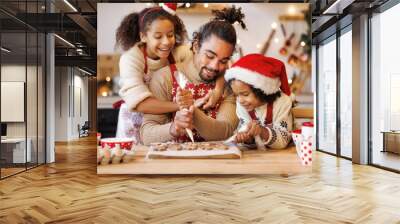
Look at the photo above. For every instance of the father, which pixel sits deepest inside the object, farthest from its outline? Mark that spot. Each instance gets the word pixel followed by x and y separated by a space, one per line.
pixel 212 49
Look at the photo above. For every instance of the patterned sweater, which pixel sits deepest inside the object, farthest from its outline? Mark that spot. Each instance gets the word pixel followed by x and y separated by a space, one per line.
pixel 155 128
pixel 282 121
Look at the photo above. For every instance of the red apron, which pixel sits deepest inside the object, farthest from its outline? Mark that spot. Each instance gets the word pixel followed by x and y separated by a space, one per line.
pixel 198 91
pixel 268 117
pixel 129 123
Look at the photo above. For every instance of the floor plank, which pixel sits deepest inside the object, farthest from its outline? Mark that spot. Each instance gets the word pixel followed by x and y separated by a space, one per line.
pixel 70 191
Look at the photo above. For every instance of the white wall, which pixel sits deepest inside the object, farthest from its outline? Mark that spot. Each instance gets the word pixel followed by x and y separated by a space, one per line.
pixel 34 124
pixel 259 17
pixel 61 103
pixel 67 114
pixel 108 21
pixel 17 73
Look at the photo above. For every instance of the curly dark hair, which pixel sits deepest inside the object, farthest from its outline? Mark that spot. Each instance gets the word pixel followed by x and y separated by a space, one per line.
pixel 128 32
pixel 259 93
pixel 221 26
pixel 264 97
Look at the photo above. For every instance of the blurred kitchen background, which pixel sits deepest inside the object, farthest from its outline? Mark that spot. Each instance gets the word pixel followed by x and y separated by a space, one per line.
pixel 280 30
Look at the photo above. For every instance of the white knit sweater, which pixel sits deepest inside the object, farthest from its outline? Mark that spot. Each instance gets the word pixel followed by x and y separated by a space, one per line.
pixel 131 67
pixel 282 121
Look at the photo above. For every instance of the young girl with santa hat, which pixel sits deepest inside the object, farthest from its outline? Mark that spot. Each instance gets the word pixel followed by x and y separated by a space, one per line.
pixel 263 102
pixel 151 39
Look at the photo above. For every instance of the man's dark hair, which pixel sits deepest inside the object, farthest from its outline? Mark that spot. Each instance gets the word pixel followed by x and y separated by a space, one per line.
pixel 221 26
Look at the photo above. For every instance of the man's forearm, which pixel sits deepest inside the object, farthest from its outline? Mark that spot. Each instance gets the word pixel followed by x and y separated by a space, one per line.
pixel 155 132
pixel 212 129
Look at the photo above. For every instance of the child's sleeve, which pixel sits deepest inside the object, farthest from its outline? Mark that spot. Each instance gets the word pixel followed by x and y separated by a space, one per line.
pixel 133 89
pixel 279 131
pixel 243 115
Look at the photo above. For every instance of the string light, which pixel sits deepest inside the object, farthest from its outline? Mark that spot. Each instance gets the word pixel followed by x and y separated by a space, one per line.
pixel 276 40
pixel 274 25
pixel 302 44
pixel 291 9
pixel 187 5
pixel 71 6
pixel 5 49
pixel 104 93
pixel 108 78
pixel 65 41
pixel 238 41
pixel 205 5
pixel 258 45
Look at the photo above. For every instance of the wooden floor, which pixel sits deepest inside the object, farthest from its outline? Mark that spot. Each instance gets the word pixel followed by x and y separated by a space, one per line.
pixel 70 191
pixel 387 159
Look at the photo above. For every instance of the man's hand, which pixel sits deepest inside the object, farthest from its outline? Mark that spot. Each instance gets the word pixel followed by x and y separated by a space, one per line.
pixel 183 119
pixel 214 97
pixel 184 98
pixel 200 102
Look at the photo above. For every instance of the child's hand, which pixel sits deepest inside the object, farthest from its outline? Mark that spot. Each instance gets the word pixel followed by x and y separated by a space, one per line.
pixel 255 129
pixel 215 96
pixel 184 98
pixel 243 137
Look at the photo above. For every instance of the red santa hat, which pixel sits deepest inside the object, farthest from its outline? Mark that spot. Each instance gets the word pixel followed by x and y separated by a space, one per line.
pixel 170 8
pixel 264 73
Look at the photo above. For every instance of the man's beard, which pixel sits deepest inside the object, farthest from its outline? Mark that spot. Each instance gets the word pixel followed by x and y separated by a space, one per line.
pixel 205 78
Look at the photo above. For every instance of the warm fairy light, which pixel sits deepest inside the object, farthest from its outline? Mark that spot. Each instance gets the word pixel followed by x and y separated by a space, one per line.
pixel 148 4
pixel 108 78
pixel 274 25
pixel 70 5
pixel 302 44
pixel 187 5
pixel 258 45
pixel 290 81
pixel 205 5
pixel 291 9
pixel 276 40
pixel 104 93
pixel 238 41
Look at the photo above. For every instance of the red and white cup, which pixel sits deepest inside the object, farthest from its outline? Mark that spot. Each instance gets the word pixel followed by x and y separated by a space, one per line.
pixel 306 151
pixel 304 146
pixel 296 135
pixel 124 143
pixel 307 129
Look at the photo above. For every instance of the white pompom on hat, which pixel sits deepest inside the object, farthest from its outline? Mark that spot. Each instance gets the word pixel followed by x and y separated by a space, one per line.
pixel 264 73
